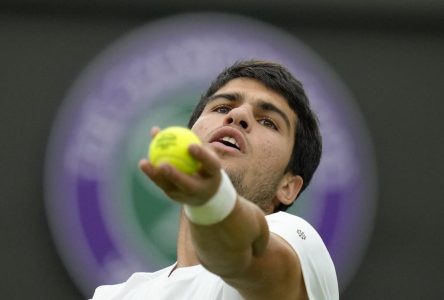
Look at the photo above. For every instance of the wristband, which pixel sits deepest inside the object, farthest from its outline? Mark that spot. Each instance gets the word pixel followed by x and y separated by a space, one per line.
pixel 217 208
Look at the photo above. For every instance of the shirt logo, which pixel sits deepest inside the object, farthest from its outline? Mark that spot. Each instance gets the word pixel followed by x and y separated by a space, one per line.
pixel 301 234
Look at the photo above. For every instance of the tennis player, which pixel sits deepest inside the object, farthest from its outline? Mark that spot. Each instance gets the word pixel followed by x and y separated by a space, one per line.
pixel 261 146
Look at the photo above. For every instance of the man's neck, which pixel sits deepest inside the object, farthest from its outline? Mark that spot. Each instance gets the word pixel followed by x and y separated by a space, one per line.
pixel 186 255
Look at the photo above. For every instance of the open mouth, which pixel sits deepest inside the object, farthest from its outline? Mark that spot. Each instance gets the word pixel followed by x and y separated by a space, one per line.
pixel 230 142
pixel 229 138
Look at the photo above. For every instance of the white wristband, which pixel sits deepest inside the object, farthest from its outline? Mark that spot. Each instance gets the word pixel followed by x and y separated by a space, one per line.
pixel 217 208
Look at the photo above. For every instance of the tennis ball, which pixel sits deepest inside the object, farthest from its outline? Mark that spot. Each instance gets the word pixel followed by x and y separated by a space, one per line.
pixel 171 146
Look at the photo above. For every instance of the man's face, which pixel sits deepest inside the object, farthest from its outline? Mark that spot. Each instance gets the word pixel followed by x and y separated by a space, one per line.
pixel 251 128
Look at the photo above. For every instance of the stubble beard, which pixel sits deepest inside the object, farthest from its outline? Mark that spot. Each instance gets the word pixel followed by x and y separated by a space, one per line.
pixel 261 191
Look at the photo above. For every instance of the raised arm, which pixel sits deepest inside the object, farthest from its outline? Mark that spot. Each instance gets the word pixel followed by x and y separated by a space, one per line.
pixel 239 248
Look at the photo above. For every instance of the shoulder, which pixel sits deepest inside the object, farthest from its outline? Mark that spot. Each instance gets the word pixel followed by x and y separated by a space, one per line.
pixel 294 229
pixel 317 266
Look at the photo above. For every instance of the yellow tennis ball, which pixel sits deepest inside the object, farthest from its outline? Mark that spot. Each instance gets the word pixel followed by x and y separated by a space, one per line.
pixel 171 146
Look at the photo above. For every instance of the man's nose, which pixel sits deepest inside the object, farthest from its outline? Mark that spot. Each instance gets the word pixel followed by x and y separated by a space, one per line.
pixel 238 116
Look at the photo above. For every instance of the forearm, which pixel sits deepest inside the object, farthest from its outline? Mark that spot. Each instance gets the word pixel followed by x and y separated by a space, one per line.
pixel 229 246
pixel 232 230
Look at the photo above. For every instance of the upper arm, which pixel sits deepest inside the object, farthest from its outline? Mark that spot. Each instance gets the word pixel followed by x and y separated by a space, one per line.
pixel 279 256
pixel 247 255
pixel 274 274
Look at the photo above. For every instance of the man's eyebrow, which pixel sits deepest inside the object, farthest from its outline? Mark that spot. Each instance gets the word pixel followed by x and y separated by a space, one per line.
pixel 227 96
pixel 267 106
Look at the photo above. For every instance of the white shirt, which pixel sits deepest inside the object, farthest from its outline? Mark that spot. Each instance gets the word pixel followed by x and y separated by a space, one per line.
pixel 196 282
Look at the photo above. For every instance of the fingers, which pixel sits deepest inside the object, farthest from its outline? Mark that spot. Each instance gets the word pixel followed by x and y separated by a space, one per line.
pixel 154 131
pixel 193 189
pixel 157 175
pixel 181 187
pixel 209 160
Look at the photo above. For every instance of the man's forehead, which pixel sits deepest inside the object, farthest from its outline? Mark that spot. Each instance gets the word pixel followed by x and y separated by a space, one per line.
pixel 245 88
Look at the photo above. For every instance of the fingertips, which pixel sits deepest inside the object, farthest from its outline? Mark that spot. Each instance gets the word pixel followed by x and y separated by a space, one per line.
pixel 181 181
pixel 147 167
pixel 143 164
pixel 155 173
pixel 155 130
pixel 159 175
pixel 195 150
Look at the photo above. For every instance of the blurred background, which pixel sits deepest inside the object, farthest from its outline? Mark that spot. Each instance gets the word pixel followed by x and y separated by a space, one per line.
pixel 389 53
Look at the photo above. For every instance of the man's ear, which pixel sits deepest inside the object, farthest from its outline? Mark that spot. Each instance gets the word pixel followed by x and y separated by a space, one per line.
pixel 289 188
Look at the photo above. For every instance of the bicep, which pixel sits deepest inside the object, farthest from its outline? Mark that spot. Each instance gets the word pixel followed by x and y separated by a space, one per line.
pixel 275 273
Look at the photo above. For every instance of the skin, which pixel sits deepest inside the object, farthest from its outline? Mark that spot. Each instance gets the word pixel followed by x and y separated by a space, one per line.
pixel 240 248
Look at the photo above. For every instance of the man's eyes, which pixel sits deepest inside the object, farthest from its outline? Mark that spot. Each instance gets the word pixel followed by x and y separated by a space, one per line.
pixel 267 123
pixel 223 109
pixel 264 121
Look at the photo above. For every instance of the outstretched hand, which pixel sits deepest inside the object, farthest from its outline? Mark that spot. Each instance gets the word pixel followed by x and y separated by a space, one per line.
pixel 195 189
